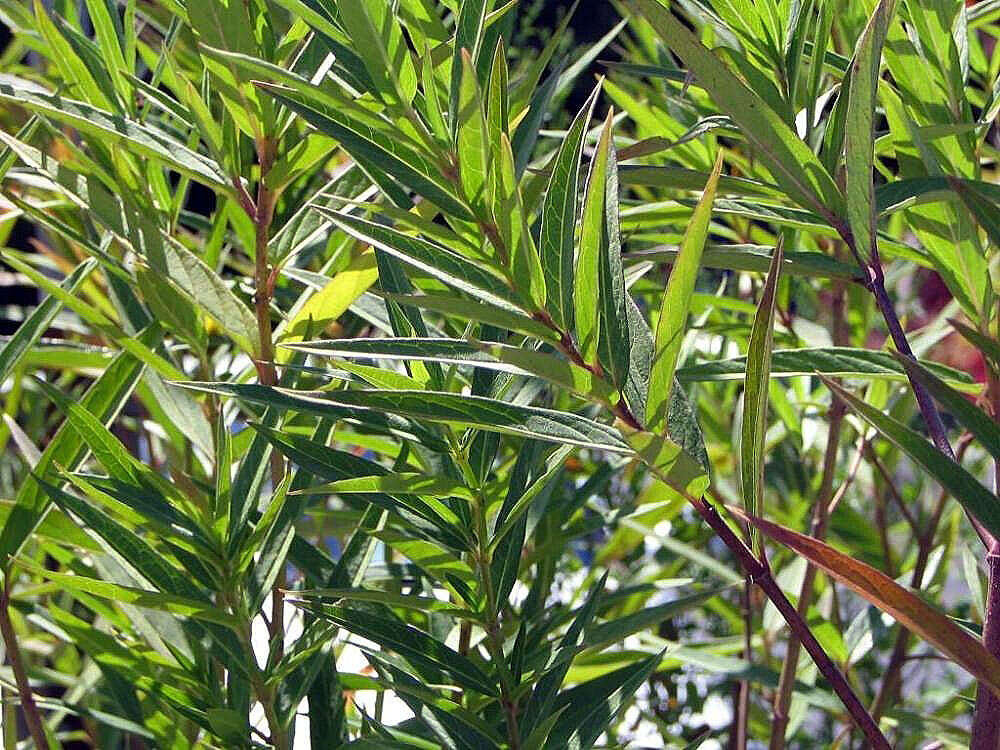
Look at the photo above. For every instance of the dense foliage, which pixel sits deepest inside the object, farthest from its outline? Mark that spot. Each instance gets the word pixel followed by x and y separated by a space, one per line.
pixel 397 384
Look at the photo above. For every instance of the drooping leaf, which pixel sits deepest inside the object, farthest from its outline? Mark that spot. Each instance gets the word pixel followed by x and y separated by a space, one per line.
pixel 909 609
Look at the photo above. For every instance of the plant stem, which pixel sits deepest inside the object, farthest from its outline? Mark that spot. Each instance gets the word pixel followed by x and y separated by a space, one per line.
pixel 267 374
pixel 987 714
pixel 261 213
pixel 28 706
pixel 986 720
pixel 494 641
pixel 761 575
pixel 741 716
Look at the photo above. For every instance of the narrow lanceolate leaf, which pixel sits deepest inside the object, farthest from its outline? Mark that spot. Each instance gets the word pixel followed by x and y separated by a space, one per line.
pixel 544 694
pixel 410 643
pixel 478 311
pixel 485 354
pixel 471 143
pixel 370 146
pixel 429 257
pixel 589 708
pixel 393 484
pixel 834 361
pixel 471 411
pixel 669 462
pixel 332 301
pixel 614 342
pixel 28 333
pixel 672 325
pixel 909 609
pixel 378 38
pixel 793 163
pixel 593 239
pixel 469 26
pixel 978 502
pixel 178 605
pixel 559 219
pixel 104 399
pixel 860 130
pixel 109 129
pixel 755 389
pixel 514 236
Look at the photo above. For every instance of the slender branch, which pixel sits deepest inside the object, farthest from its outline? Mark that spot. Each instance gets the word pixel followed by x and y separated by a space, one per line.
pixel 986 720
pixel 761 575
pixel 261 213
pixel 32 717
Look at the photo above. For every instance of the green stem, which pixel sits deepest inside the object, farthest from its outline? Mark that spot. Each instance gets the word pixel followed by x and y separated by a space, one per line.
pixel 32 717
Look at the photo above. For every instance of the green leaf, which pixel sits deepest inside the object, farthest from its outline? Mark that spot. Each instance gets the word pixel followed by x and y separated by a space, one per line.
pixel 614 342
pixel 860 131
pixel 395 483
pixel 834 361
pixel 229 25
pixel 978 502
pixel 471 411
pixel 592 706
pixel 104 399
pixel 593 241
pixel 543 696
pixel 559 212
pixel 208 290
pixel 333 300
pixel 470 23
pixel 109 129
pixel 672 324
pixel 515 237
pixel 178 605
pixel 988 346
pixel 471 142
pixel 756 386
pixel 35 325
pixel 501 357
pixel 757 258
pixel 793 163
pixel 673 465
pixel 484 313
pixel 377 37
pixel 410 643
pixel 369 142
pixel 430 257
